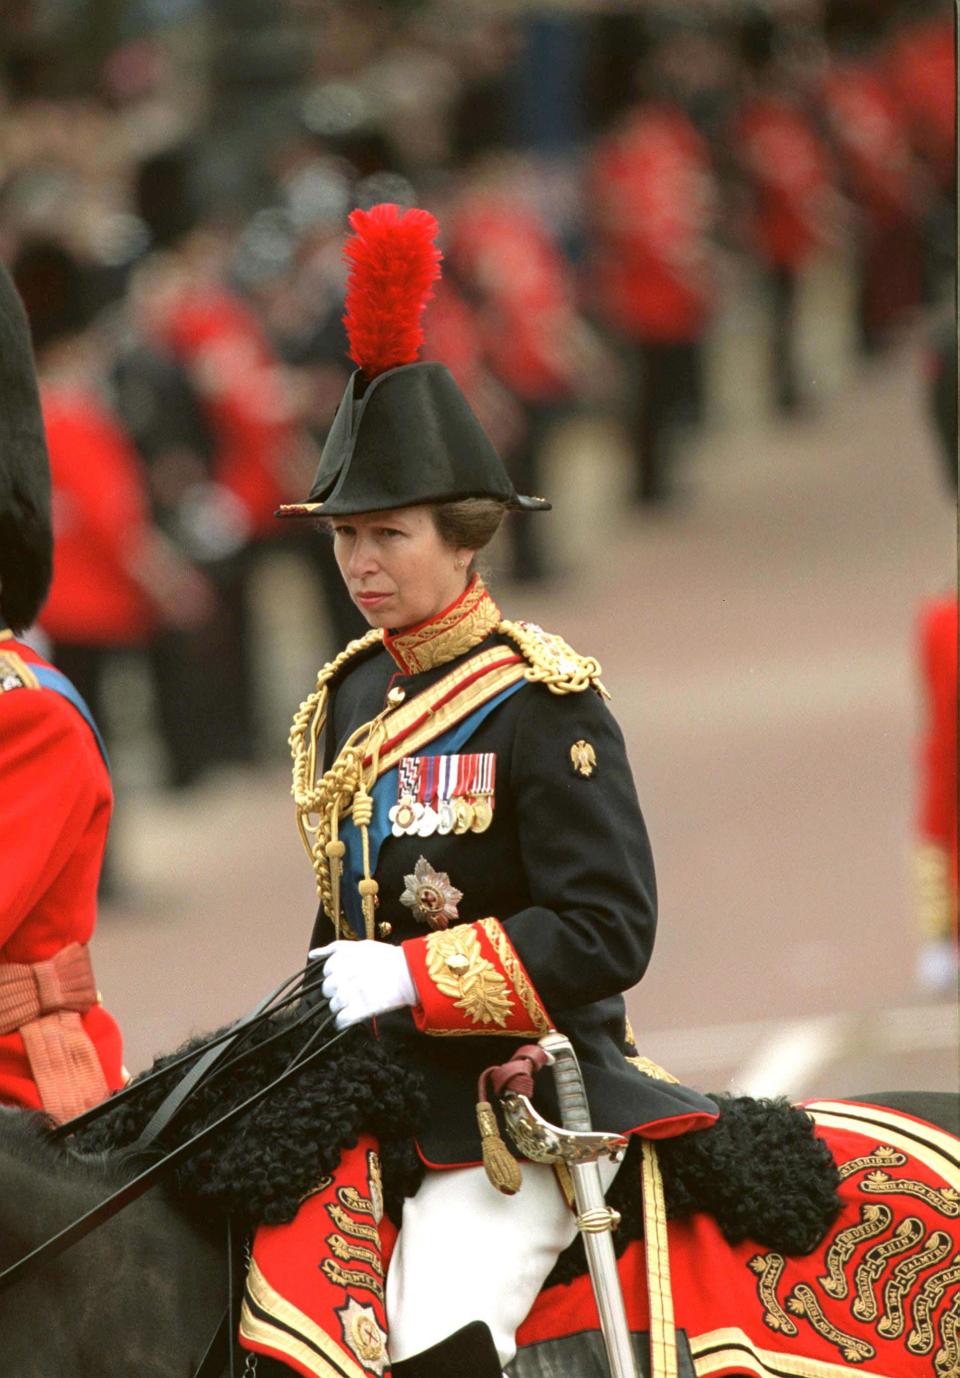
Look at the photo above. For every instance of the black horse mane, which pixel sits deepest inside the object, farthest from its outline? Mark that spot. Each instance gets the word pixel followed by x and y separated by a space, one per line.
pixel 25 1137
pixel 760 1171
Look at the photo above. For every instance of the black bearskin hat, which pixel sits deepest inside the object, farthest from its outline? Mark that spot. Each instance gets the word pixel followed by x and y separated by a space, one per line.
pixel 26 533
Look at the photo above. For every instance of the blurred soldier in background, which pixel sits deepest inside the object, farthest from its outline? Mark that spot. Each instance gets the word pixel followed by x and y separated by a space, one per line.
pixel 880 174
pixel 59 1049
pixel 188 309
pixel 160 411
pixel 785 172
pixel 650 201
pixel 921 68
pixel 523 294
pixel 116 578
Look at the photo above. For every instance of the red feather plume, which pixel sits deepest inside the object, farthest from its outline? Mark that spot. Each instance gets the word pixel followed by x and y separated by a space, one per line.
pixel 393 264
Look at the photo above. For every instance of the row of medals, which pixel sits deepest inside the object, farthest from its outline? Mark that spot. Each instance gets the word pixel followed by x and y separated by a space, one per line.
pixel 460 815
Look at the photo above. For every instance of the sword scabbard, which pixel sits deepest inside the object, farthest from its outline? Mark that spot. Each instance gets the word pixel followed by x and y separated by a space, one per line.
pixel 595 1220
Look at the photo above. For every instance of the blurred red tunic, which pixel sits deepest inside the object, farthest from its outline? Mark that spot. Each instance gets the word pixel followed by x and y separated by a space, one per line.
pixel 788 171
pixel 522 282
pixel 100 518
pixel 55 805
pixel 868 124
pixel 937 796
pixel 651 195
pixel 922 68
pixel 216 337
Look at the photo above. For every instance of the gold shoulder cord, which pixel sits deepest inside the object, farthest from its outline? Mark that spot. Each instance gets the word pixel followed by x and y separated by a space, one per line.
pixel 550 661
pixel 341 790
pixel 344 790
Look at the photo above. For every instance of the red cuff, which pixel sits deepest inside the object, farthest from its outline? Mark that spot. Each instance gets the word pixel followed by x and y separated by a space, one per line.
pixel 471 981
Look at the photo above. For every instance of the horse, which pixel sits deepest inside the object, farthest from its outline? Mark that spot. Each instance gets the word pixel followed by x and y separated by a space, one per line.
pixel 793 1211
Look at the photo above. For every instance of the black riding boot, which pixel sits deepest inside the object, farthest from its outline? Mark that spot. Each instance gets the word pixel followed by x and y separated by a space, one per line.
pixel 469 1353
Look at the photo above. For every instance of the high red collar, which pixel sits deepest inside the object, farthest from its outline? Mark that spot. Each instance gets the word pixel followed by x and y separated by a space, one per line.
pixel 451 633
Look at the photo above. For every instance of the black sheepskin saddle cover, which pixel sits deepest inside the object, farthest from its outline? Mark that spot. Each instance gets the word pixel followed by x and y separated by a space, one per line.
pixel 263 1164
pixel 760 1171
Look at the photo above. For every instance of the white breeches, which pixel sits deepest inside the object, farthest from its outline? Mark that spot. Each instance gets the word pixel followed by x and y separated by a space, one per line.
pixel 468 1253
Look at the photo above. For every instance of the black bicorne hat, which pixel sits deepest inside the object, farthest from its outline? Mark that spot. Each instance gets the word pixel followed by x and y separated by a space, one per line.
pixel 404 433
pixel 26 533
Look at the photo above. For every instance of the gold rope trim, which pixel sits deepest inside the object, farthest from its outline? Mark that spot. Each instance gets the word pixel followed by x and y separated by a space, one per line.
pixel 262 1332
pixel 344 790
pixel 551 661
pixel 663 1335
pixel 508 958
pixel 322 803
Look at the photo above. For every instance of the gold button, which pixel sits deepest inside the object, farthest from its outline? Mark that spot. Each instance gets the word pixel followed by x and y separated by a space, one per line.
pixel 457 962
pixel 396 696
pixel 385 929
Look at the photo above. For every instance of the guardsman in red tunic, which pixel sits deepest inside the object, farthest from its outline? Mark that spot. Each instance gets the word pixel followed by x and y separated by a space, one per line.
pixel 60 1051
pixel 652 196
pixel 869 130
pixel 786 175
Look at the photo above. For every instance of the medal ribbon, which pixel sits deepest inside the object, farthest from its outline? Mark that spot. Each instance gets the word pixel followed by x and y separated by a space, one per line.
pixel 384 794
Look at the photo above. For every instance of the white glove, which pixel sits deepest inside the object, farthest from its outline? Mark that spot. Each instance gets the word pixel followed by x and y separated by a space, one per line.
pixel 363 979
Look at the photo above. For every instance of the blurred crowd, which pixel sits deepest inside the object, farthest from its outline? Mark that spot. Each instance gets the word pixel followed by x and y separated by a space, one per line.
pixel 173 208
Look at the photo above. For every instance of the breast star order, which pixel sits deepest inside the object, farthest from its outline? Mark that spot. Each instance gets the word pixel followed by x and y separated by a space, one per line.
pixel 430 896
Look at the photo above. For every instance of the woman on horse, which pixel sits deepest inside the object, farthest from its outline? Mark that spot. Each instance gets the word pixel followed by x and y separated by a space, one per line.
pixel 482 863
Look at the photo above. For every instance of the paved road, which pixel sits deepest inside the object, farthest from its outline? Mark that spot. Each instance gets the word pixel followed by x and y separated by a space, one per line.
pixel 757 640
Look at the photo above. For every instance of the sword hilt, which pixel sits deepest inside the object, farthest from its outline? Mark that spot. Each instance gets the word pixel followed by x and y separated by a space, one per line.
pixel 568 1080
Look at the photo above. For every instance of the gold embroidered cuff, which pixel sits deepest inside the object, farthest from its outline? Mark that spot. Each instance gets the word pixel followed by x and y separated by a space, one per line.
pixel 471 981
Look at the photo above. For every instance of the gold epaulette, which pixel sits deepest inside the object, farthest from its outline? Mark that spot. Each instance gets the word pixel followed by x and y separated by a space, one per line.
pixel 15 673
pixel 551 661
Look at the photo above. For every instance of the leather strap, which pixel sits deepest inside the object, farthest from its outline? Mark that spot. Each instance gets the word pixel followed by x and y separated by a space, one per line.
pixel 131 1191
pixel 300 989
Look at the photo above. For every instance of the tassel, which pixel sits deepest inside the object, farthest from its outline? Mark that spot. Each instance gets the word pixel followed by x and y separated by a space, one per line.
pixel 501 1167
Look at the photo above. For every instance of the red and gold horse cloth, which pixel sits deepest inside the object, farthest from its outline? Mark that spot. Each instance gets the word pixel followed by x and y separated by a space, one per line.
pixel 879 1295
pixel 314 1296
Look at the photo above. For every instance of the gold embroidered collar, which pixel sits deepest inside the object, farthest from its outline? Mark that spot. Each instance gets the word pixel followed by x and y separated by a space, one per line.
pixel 451 633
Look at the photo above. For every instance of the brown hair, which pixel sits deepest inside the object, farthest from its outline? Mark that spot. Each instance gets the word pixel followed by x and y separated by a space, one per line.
pixel 470 523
